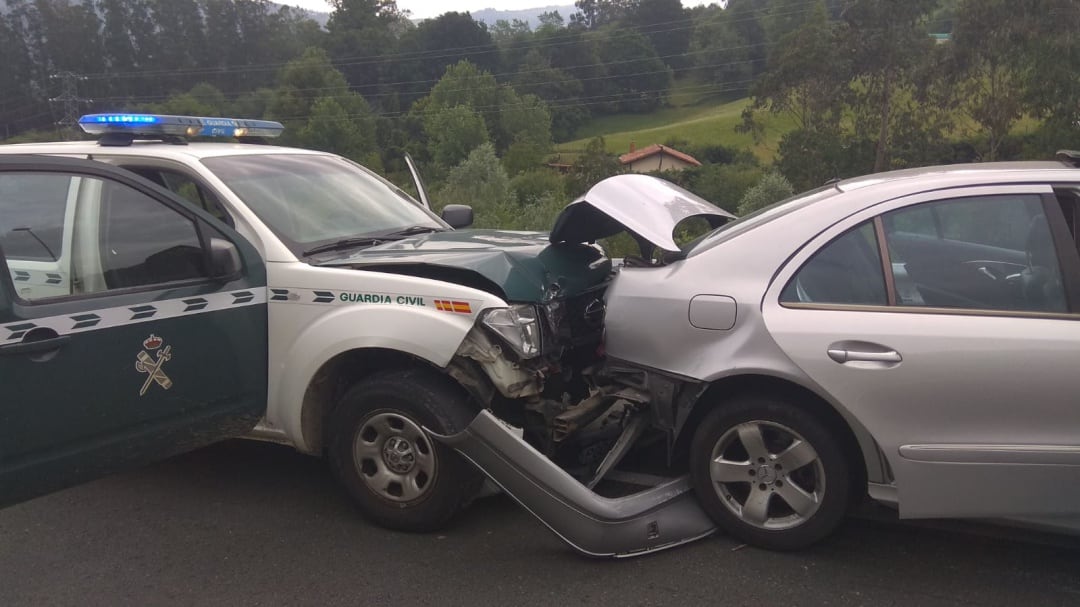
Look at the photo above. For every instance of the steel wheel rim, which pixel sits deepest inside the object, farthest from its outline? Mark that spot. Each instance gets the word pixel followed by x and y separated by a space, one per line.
pixel 767 475
pixel 394 458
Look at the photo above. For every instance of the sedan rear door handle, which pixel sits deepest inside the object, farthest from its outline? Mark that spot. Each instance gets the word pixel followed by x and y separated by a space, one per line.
pixel 843 355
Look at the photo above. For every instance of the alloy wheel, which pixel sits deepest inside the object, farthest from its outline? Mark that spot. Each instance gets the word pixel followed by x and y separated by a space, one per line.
pixel 767 475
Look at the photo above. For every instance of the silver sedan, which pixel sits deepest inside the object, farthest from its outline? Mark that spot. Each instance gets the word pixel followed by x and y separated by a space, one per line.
pixel 913 335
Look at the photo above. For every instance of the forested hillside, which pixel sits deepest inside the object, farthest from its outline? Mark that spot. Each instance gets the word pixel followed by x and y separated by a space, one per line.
pixel 858 86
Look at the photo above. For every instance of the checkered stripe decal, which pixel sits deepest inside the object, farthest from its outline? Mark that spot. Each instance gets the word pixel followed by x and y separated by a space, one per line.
pixel 130 315
pixel 36 277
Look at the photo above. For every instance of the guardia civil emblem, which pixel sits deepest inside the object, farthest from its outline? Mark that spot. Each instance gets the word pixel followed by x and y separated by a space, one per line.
pixel 150 360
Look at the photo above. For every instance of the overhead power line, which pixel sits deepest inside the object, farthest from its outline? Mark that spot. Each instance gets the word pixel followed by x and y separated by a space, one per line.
pixel 68 101
pixel 360 60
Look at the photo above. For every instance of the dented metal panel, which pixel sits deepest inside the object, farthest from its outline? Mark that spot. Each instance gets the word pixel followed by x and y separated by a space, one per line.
pixel 662 517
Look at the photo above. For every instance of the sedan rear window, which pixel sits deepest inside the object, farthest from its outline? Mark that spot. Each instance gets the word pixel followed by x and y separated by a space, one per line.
pixel 846 271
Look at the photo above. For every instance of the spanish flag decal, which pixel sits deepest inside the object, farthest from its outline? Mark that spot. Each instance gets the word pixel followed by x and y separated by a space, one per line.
pixel 445 305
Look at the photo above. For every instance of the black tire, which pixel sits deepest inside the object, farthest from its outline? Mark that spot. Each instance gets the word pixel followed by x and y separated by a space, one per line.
pixel 391 401
pixel 826 480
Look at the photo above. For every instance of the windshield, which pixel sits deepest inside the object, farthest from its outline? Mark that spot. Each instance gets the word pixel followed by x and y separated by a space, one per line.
pixel 746 222
pixel 309 199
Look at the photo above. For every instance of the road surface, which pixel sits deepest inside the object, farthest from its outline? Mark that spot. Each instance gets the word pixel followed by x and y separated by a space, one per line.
pixel 246 523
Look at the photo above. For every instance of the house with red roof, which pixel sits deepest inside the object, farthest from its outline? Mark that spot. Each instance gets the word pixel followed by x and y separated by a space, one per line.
pixel 657 157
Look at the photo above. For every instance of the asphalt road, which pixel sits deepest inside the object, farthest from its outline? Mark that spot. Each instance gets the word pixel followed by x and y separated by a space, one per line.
pixel 247 523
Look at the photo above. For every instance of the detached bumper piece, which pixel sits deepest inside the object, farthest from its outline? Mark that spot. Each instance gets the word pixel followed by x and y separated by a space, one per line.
pixel 662 517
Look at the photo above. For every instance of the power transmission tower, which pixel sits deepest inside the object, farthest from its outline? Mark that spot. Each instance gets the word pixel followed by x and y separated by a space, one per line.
pixel 69 101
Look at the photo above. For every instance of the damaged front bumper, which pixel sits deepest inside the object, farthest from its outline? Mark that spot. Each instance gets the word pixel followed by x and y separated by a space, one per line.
pixel 661 517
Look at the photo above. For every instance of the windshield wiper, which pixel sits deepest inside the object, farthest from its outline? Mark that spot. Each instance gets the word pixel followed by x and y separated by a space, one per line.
pixel 349 243
pixel 345 243
pixel 412 231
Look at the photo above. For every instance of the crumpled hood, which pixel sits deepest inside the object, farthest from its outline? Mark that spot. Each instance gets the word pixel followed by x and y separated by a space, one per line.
pixel 647 206
pixel 522 264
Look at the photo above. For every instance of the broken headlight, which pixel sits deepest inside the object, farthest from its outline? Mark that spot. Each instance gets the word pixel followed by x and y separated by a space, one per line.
pixel 518 326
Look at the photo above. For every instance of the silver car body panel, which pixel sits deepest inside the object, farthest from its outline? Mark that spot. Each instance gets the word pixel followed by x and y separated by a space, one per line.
pixel 1035 477
pixel 956 359
pixel 648 206
pixel 662 517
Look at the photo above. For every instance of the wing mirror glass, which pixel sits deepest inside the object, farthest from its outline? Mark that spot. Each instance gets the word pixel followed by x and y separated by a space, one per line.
pixel 458 215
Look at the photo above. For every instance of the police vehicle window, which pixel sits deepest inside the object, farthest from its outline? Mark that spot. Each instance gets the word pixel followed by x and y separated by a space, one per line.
pixel 32 208
pixel 996 254
pixel 143 242
pixel 845 271
pixel 309 198
pixel 185 186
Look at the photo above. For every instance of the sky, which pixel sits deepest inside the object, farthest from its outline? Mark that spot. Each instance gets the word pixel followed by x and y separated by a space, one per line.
pixel 431 8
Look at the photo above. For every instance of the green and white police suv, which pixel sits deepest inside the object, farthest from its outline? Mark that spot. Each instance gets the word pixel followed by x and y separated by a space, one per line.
pixel 134 324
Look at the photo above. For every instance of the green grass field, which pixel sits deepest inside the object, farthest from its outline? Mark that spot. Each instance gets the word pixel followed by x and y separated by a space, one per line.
pixel 695 116
pixel 703 123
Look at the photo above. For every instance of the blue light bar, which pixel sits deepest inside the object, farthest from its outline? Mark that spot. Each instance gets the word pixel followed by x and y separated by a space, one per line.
pixel 184 126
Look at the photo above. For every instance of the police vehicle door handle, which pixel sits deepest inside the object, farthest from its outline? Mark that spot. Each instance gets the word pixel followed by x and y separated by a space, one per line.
pixel 34 347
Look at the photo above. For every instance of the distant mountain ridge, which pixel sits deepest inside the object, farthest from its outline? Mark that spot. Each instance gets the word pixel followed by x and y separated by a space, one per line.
pixel 530 15
pixel 488 16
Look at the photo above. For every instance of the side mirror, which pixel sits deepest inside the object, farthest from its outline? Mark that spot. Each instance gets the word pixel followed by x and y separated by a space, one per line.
pixel 224 259
pixel 457 215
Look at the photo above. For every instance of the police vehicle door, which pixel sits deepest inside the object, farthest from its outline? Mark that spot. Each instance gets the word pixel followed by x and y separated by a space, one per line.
pixel 133 326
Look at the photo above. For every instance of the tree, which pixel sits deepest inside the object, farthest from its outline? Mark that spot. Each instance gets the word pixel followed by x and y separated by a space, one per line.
pixel 592 166
pixel 593 14
pixel 746 24
pixel 479 181
pixel 181 36
pixel 359 34
pixel 507 118
pixel 437 44
pixel 551 20
pixel 504 31
pixel 808 76
pixel 345 128
pixel 453 133
pixel 721 55
pixel 1051 55
pixel 886 40
pixel 523 120
pixel 310 88
pixel 202 100
pixel 809 158
pixel 69 35
pixel 785 16
pixel 662 22
pixel 311 73
pixel 20 98
pixel 117 44
pixel 537 77
pixel 773 187
pixel 465 84
pixel 723 185
pixel 635 79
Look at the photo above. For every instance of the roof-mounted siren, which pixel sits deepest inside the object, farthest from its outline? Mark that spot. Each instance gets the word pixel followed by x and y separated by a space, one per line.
pixel 124 128
pixel 1069 157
